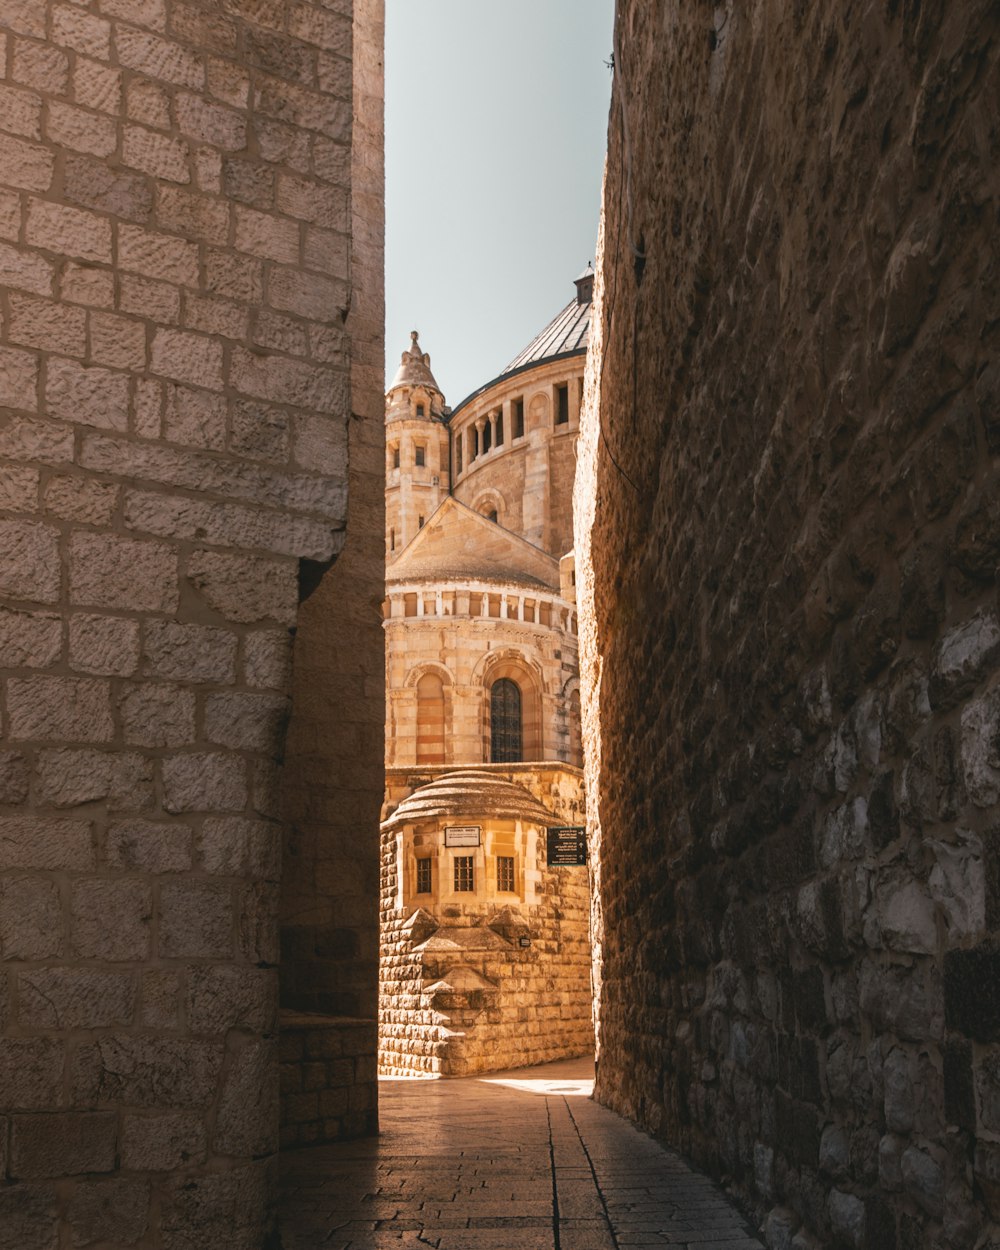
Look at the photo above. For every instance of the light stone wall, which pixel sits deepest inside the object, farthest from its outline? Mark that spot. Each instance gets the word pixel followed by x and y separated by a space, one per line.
pixel 175 381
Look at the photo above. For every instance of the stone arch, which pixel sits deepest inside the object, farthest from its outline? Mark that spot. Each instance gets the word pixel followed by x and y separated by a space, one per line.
pixel 513 666
pixel 573 720
pixel 491 501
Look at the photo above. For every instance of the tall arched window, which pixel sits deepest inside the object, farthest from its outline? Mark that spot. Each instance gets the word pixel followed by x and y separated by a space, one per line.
pixel 505 722
pixel 430 719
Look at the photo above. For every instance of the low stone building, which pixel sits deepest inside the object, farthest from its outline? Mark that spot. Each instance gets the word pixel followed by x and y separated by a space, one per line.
pixel 485 947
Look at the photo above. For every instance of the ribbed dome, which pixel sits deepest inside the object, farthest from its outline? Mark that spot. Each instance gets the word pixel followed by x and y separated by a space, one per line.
pixel 415 367
pixel 567 333
pixel 470 792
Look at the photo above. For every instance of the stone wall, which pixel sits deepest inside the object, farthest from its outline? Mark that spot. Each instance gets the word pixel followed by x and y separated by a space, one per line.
pixel 176 380
pixel 787 546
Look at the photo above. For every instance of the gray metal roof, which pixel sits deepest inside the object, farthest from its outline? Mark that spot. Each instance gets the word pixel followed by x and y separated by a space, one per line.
pixel 568 332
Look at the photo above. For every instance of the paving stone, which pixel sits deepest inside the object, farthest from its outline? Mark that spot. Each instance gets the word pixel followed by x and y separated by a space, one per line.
pixel 473 1164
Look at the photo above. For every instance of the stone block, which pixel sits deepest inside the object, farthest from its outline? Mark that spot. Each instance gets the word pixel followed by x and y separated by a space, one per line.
pixel 224 997
pixel 73 27
pixel 157 715
pixel 249 722
pixel 49 843
pixel 162 1142
pixel 70 709
pixel 233 846
pixel 972 991
pixel 281 380
pixel 267 659
pixel 160 1007
pixel 209 782
pixel 107 645
pixel 64 1143
pixel 145 296
pixel 117 341
pixel 29 1217
pixel 194 653
pixel 147 1072
pixel 29 639
pixel 149 13
pixel 31 1074
pixel 924 1181
pixel 185 357
pixel 247 182
pixel 25 165
pixel 155 57
pixel 233 276
pixel 75 998
pixel 224 1208
pixel 96 85
pixel 112 1212
pixel 30 918
pixel 24 271
pixel 259 431
pixel 67 778
pixel 13 779
pixel 80 130
pixel 19 489
pixel 246 588
pixel 149 846
pixel 29 556
pixel 68 231
pixel 40 65
pixel 263 234
pixel 159 256
pixel 47 325
pixel 257 936
pixel 87 284
pixel 87 395
pixel 111 920
pixel 108 571
pixel 247 1121
pixel 106 189
pixel 196 920
pixel 210 123
pixel 156 154
pixel 216 316
pixel 76 498
pixel 307 295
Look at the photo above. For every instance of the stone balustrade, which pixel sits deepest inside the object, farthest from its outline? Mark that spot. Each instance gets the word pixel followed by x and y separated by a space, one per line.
pixel 480 599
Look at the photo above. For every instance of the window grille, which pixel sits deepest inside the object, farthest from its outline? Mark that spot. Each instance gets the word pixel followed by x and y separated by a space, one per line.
pixel 505 722
pixel 423 876
pixel 505 873
pixel 465 877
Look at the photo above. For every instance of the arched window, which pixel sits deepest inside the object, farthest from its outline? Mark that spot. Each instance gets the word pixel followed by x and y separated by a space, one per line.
pixel 505 722
pixel 430 719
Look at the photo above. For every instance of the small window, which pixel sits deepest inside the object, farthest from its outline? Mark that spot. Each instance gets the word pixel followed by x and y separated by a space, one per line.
pixel 492 516
pixel 392 540
pixel 500 428
pixel 421 456
pixel 562 404
pixel 458 454
pixel 505 722
pixel 424 876
pixel 473 443
pixel 420 410
pixel 505 873
pixel 395 457
pixel 518 418
pixel 465 875
pixel 420 522
pixel 487 437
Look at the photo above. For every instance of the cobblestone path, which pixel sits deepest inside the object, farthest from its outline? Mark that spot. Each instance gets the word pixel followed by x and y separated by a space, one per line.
pixel 516 1161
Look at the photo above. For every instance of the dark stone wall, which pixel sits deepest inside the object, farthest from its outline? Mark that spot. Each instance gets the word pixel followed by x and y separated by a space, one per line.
pixel 788 539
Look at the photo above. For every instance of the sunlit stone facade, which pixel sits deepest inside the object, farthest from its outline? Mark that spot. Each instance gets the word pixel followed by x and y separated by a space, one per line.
pixel 484 946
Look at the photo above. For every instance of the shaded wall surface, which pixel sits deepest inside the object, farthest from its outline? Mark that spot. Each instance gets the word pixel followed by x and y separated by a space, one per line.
pixel 788 539
pixel 177 387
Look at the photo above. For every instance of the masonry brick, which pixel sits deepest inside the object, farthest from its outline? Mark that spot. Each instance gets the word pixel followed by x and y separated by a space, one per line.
pixel 41 66
pixel 29 639
pixel 25 272
pixel 68 231
pixel 196 921
pixel 45 842
pixel 26 165
pixel 156 57
pixel 111 572
pixel 157 255
pixel 245 588
pixel 131 904
pixel 202 653
pixel 31 1073
pixel 81 130
pixel 86 284
pixel 19 490
pixel 162 1142
pixel 196 216
pixel 149 846
pixel 30 918
pixel 192 358
pixel 42 323
pixel 70 776
pixel 205 781
pixel 159 155
pixel 18 380
pixel 96 85
pixel 105 645
pixel 93 184
pixel 157 715
pixel 75 998
pixel 116 341
pixel 87 394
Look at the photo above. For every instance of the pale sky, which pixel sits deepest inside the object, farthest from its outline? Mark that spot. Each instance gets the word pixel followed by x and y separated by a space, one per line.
pixel 496 127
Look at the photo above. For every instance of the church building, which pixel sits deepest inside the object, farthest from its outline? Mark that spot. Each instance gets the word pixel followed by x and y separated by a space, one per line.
pixel 485 930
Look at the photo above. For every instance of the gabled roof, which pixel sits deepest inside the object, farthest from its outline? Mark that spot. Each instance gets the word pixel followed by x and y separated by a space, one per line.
pixel 456 542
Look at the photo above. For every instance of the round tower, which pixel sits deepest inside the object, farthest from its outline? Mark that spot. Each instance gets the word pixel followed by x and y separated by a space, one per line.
pixel 417 469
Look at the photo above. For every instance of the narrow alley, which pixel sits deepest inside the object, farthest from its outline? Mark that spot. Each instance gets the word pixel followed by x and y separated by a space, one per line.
pixel 509 1161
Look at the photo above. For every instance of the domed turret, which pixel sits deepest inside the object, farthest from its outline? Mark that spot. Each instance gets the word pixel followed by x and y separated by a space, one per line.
pixel 416 446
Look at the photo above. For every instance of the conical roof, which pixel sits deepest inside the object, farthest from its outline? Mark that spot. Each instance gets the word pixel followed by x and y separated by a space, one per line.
pixel 470 792
pixel 567 333
pixel 415 367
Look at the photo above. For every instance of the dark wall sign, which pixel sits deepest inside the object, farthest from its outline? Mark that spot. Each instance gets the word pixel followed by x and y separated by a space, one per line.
pixel 567 846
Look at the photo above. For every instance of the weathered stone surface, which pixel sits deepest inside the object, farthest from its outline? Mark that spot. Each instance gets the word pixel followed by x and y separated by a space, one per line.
pixel 29 560
pixel 29 639
pixel 223 998
pixel 29 1217
pixel 157 715
pixel 205 781
pixel 107 571
pixel 162 1142
pixel 115 1211
pixel 68 709
pixel 95 935
pixel 236 847
pixel 196 919
pixel 245 588
pixel 48 842
pixel 31 1073
pixel 249 722
pixel 189 652
pixel 31 925
pixel 149 846
pixel 247 1121
pixel 146 1072
pixel 68 777
pixel 75 998
pixel 62 1144
pixel 13 777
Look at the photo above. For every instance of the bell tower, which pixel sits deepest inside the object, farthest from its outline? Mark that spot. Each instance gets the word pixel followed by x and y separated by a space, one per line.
pixel 416 437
